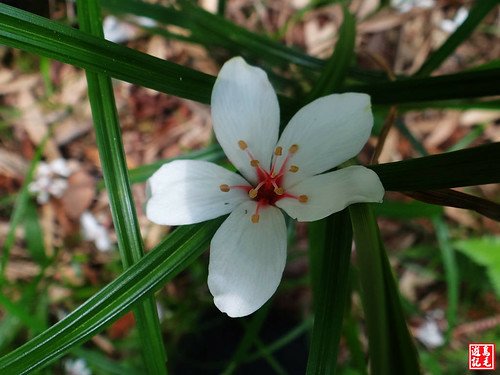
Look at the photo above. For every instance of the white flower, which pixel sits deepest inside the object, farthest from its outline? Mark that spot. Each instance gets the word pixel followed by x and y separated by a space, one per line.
pixel 407 5
pixel 76 367
pixel 450 26
pixel 248 251
pixel 50 179
pixel 429 334
pixel 93 231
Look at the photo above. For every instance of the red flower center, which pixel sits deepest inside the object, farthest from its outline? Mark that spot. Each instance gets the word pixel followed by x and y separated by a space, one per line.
pixel 269 189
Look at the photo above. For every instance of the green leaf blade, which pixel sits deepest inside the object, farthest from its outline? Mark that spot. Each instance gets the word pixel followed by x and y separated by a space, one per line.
pixel 476 15
pixel 388 334
pixel 473 166
pixel 112 155
pixel 330 248
pixel 136 283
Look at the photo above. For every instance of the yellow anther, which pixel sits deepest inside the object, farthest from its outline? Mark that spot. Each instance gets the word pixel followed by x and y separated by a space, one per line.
pixel 303 198
pixel 279 191
pixel 243 145
pixel 278 151
pixel 254 162
pixel 293 149
pixel 225 188
pixel 293 168
pixel 252 193
pixel 255 218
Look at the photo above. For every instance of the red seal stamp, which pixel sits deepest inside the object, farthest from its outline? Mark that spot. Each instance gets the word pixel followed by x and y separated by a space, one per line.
pixel 482 356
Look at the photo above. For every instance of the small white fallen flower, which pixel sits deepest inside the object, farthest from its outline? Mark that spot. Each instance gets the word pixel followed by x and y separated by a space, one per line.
pixel 404 6
pixel 117 30
pixel 429 334
pixel 50 180
pixel 450 26
pixel 76 367
pixel 248 251
pixel 93 231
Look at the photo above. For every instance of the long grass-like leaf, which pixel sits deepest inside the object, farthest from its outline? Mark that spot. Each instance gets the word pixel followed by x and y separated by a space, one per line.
pixel 330 248
pixel 451 273
pixel 136 283
pixel 35 34
pixel 252 328
pixel 470 84
pixel 336 68
pixel 331 238
pixel 112 156
pixel 468 167
pixel 391 347
pixel 473 166
pixel 48 38
pixel 214 29
pixel 211 153
pixel 20 206
pixel 453 198
pixel 406 210
pixel 476 15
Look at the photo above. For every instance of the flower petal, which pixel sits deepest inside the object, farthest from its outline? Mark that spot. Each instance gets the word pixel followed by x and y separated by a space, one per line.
pixel 247 259
pixel 328 131
pixel 188 191
pixel 331 192
pixel 245 107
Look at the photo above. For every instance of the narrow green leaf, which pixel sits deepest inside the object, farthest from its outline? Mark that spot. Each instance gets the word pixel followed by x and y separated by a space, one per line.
pixel 476 15
pixel 492 105
pixel 48 38
pixel 35 34
pixel 470 137
pixel 20 312
pixel 453 198
pixel 219 30
pixel 269 358
pixel 284 340
pixel 33 233
pixel 11 325
pixel 391 347
pixel 410 137
pixel 331 240
pixel 473 166
pixel 112 156
pixel 221 7
pixel 448 254
pixel 353 341
pixel 212 153
pixel 103 363
pixel 22 200
pixel 241 40
pixel 451 86
pixel 451 273
pixel 484 251
pixel 252 328
pixel 136 283
pixel 406 210
pixel 336 68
